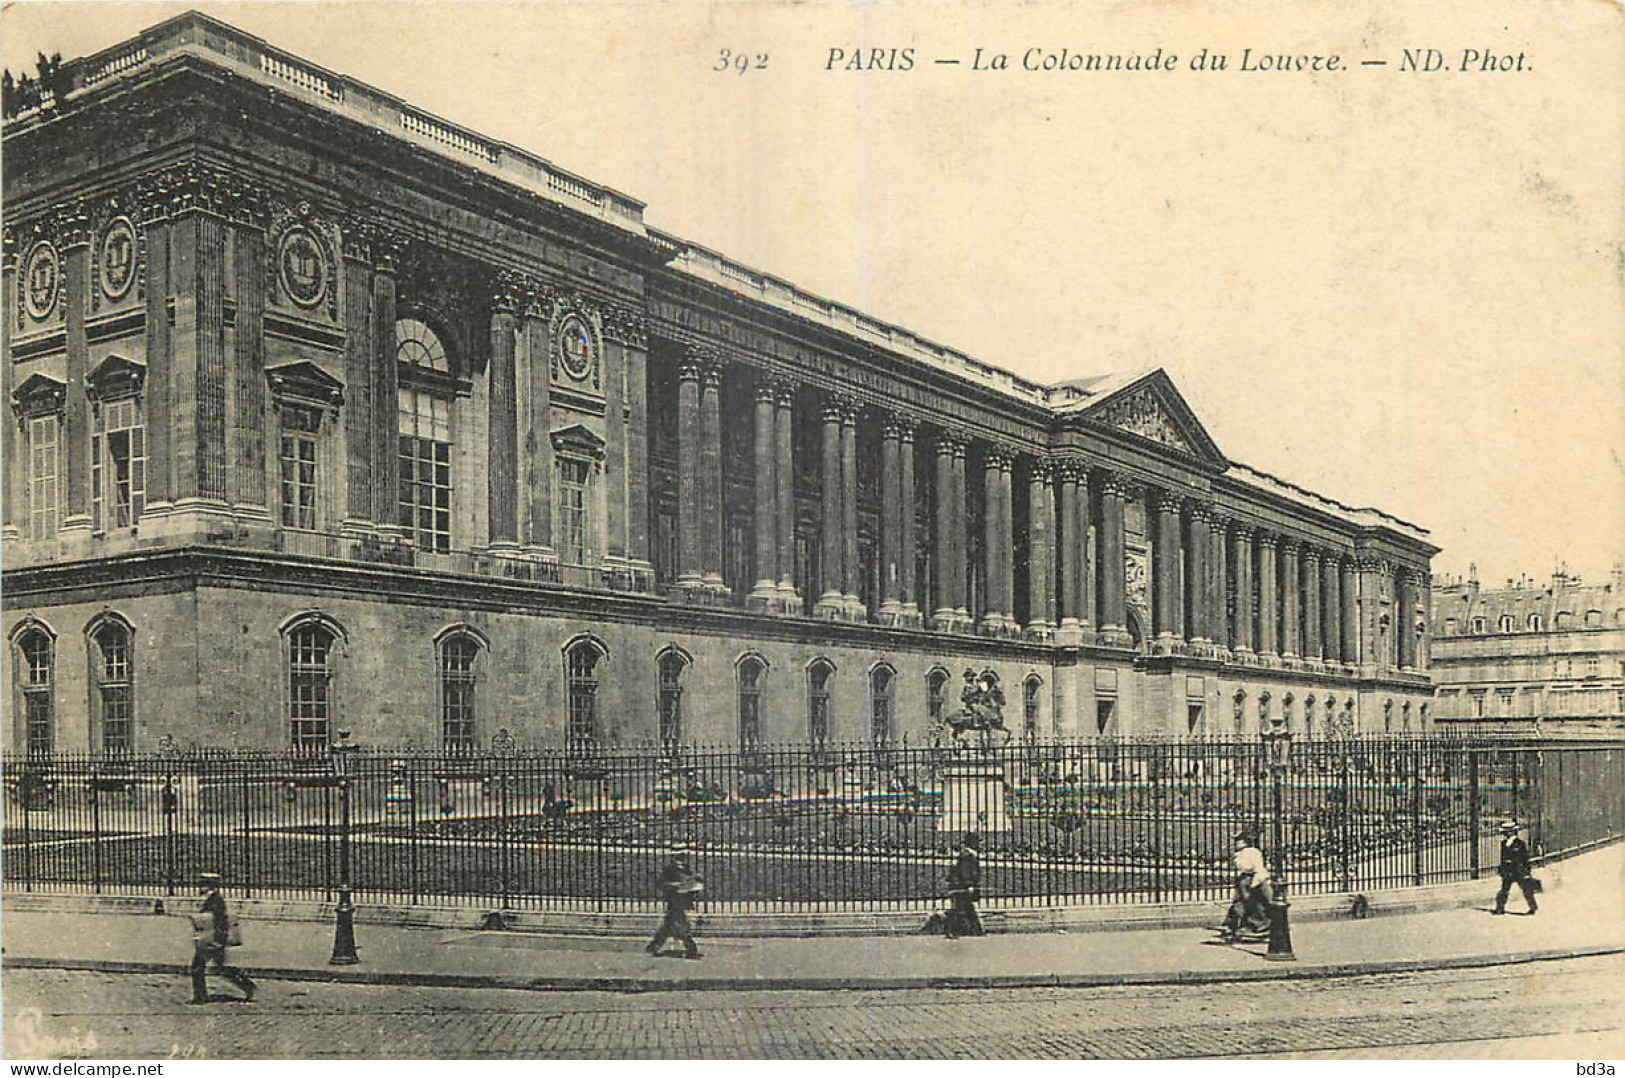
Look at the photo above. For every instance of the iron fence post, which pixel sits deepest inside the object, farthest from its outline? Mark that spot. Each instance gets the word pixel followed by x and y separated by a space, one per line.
pixel 1473 821
pixel 248 841
pixel 170 804
pixel 95 835
pixel 1416 816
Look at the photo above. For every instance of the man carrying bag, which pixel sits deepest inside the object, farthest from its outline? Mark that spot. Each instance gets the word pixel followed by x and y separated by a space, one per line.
pixel 213 930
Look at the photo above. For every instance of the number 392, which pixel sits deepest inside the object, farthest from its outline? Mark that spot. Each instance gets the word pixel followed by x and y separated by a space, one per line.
pixel 728 60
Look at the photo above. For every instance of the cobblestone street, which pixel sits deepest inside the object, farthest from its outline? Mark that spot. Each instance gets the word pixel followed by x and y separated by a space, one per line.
pixel 1568 1008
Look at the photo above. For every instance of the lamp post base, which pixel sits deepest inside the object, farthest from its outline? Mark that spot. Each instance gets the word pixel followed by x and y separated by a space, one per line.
pixel 344 932
pixel 1280 949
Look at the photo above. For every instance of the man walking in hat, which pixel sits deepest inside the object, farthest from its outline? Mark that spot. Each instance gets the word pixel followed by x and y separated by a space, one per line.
pixel 211 931
pixel 679 887
pixel 964 888
pixel 1514 868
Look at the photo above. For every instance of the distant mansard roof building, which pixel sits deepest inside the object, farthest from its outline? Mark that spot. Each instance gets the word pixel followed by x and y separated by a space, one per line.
pixel 451 408
pixel 1530 656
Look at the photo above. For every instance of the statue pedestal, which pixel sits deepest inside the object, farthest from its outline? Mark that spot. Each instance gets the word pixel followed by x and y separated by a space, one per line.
pixel 973 797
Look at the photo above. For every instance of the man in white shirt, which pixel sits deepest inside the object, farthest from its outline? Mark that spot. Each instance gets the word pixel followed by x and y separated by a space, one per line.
pixel 1249 912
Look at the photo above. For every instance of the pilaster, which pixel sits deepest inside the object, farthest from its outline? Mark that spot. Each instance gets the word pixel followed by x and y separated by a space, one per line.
pixel 502 441
pixel 690 576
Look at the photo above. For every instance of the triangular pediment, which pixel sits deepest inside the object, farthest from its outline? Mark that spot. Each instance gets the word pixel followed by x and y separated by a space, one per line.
pixel 578 441
pixel 1149 408
pixel 306 383
pixel 39 394
pixel 115 374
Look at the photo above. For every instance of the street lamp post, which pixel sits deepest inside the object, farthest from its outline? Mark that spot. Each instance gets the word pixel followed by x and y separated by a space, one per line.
pixel 1278 756
pixel 344 924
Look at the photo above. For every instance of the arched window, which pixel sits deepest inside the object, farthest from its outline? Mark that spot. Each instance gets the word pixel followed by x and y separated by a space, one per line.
pixel 1478 626
pixel 310 685
pixel 1309 717
pixel 1239 718
pixel 36 667
pixel 1263 711
pixel 581 687
pixel 936 695
pixel 1564 622
pixel 1331 717
pixel 1593 619
pixel 112 700
pixel 425 435
pixel 820 675
pixel 1536 623
pixel 1030 690
pixel 1504 623
pixel 752 673
pixel 1387 716
pixel 419 347
pixel 459 652
pixel 881 681
pixel 669 702
pixel 1450 626
pixel 1405 714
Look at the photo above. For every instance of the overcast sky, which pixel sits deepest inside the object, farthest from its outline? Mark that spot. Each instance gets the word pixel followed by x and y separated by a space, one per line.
pixel 1398 289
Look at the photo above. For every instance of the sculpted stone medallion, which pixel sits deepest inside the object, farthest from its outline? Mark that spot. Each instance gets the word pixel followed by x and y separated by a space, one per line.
pixel 302 266
pixel 117 258
pixel 41 281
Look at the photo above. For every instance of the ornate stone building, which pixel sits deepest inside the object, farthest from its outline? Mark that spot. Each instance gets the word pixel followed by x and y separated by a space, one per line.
pixel 1531 658
pixel 328 413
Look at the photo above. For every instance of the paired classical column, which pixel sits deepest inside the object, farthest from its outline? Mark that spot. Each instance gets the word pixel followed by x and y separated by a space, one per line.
pixel 1268 599
pixel 1198 578
pixel 942 614
pixel 1291 624
pixel 1041 545
pixel 1348 605
pixel 785 493
pixel 960 538
pixel 997 543
pixel 908 587
pixel 502 474
pixel 831 599
pixel 765 594
pixel 1073 541
pixel 1219 611
pixel 850 591
pixel 690 574
pixel 1167 592
pixel 1310 590
pixel 1330 615
pixel 1406 628
pixel 897 605
pixel 711 477
pixel 1113 585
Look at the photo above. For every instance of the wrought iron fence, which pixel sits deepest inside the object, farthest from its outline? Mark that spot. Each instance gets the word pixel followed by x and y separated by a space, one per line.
pixel 845 827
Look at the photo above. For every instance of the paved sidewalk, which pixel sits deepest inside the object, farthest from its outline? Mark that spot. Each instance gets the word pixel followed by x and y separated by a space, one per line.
pixel 1582 913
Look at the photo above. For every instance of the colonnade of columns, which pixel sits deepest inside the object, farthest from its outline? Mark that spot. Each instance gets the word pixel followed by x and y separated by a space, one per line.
pixel 1221 586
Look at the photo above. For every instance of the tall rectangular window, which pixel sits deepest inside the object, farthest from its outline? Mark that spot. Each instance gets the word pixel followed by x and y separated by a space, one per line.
pixel 117 722
pixel 425 469
pixel 297 460
pixel 42 472
pixel 38 662
pixel 457 694
pixel 574 544
pixel 118 465
pixel 309 677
